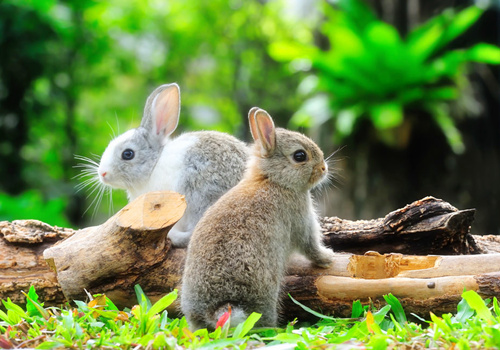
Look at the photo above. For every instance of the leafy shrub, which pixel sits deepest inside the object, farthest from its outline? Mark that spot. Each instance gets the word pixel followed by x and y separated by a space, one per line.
pixel 369 71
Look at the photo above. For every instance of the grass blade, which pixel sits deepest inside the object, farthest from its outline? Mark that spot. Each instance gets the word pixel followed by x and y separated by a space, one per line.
pixel 311 311
pixel 246 326
pixel 163 303
pixel 396 308
pixel 478 304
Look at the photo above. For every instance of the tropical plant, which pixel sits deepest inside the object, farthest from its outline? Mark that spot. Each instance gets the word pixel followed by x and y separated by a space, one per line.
pixel 369 71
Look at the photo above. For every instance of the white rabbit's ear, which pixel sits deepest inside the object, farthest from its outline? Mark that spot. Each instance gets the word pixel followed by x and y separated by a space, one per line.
pixel 251 121
pixel 265 130
pixel 161 114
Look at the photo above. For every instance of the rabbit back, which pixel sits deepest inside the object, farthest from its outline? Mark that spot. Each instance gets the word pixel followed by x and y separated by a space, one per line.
pixel 239 250
pixel 237 256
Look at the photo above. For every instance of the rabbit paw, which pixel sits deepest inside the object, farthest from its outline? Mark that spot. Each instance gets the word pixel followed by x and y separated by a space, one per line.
pixel 324 258
pixel 178 238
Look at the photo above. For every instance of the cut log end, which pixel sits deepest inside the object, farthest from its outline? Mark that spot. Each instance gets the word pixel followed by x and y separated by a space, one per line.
pixel 152 211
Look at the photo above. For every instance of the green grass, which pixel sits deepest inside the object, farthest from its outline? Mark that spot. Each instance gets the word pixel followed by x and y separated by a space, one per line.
pixel 99 324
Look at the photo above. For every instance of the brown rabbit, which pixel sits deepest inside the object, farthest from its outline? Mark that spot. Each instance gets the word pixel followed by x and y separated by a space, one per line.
pixel 239 250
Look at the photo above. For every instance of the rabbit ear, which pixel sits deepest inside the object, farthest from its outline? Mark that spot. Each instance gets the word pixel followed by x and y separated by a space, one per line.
pixel 251 121
pixel 161 114
pixel 265 130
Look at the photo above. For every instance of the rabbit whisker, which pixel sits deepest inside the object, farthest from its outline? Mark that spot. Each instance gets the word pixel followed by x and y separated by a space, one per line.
pixel 89 160
pixel 90 181
pixel 334 153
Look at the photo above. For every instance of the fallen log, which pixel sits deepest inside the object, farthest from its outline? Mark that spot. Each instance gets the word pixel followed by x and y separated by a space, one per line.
pixel 427 226
pixel 131 248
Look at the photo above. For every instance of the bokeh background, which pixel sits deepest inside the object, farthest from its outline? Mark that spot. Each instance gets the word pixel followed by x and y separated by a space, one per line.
pixel 407 90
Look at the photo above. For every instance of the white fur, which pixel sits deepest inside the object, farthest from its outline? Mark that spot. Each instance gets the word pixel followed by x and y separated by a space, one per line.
pixel 166 175
pixel 107 159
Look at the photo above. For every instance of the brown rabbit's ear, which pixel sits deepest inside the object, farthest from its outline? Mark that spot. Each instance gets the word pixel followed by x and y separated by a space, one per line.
pixel 162 110
pixel 251 121
pixel 265 130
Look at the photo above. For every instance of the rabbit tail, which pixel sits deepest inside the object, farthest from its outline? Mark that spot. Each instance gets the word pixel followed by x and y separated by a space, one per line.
pixel 228 312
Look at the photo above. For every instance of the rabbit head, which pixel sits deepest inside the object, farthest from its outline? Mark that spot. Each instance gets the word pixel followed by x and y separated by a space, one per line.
pixel 130 158
pixel 285 157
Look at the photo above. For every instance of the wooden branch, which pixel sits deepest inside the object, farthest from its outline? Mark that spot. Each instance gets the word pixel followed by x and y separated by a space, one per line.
pixel 131 248
pixel 334 295
pixel 427 226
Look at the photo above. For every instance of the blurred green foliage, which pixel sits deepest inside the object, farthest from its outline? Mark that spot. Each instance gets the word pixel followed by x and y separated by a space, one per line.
pixel 96 62
pixel 30 205
pixel 369 71
pixel 73 73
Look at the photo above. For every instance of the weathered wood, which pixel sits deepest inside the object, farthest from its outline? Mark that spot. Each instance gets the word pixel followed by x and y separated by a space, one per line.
pixel 487 244
pixel 131 248
pixel 21 260
pixel 116 254
pixel 334 295
pixel 426 226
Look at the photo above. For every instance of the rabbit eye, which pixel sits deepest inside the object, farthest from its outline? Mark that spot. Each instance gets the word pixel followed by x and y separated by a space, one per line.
pixel 300 156
pixel 128 154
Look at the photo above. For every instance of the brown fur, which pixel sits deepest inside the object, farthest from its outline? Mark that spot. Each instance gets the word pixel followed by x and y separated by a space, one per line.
pixel 239 249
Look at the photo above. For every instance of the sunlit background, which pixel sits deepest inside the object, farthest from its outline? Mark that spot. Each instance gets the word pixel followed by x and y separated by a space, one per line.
pixel 409 90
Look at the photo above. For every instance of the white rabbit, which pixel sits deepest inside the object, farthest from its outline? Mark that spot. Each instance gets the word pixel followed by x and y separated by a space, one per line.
pixel 238 253
pixel 200 165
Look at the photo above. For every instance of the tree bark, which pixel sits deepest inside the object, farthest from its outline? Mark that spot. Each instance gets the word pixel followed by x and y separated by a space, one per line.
pixel 132 248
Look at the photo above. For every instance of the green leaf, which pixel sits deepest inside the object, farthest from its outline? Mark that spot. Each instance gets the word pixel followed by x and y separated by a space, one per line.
pixel 448 65
pixel 442 93
pixel 357 309
pixel 10 306
pixel 426 39
pixel 383 36
pixel 358 12
pixel 396 308
pixel 5 317
pixel 246 326
pixel 478 304
pixel 110 305
pixel 285 51
pixel 51 345
pixel 496 307
pixel 311 311
pixel 290 338
pixel 380 314
pixel 423 39
pixel 387 115
pixel 448 127
pixel 163 303
pixel 484 53
pixel 378 342
pixel 142 299
pixel 32 306
pixel 439 323
pixel 461 22
pixel 464 311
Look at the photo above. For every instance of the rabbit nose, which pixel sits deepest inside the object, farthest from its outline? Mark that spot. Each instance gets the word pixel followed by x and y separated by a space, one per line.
pixel 103 174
